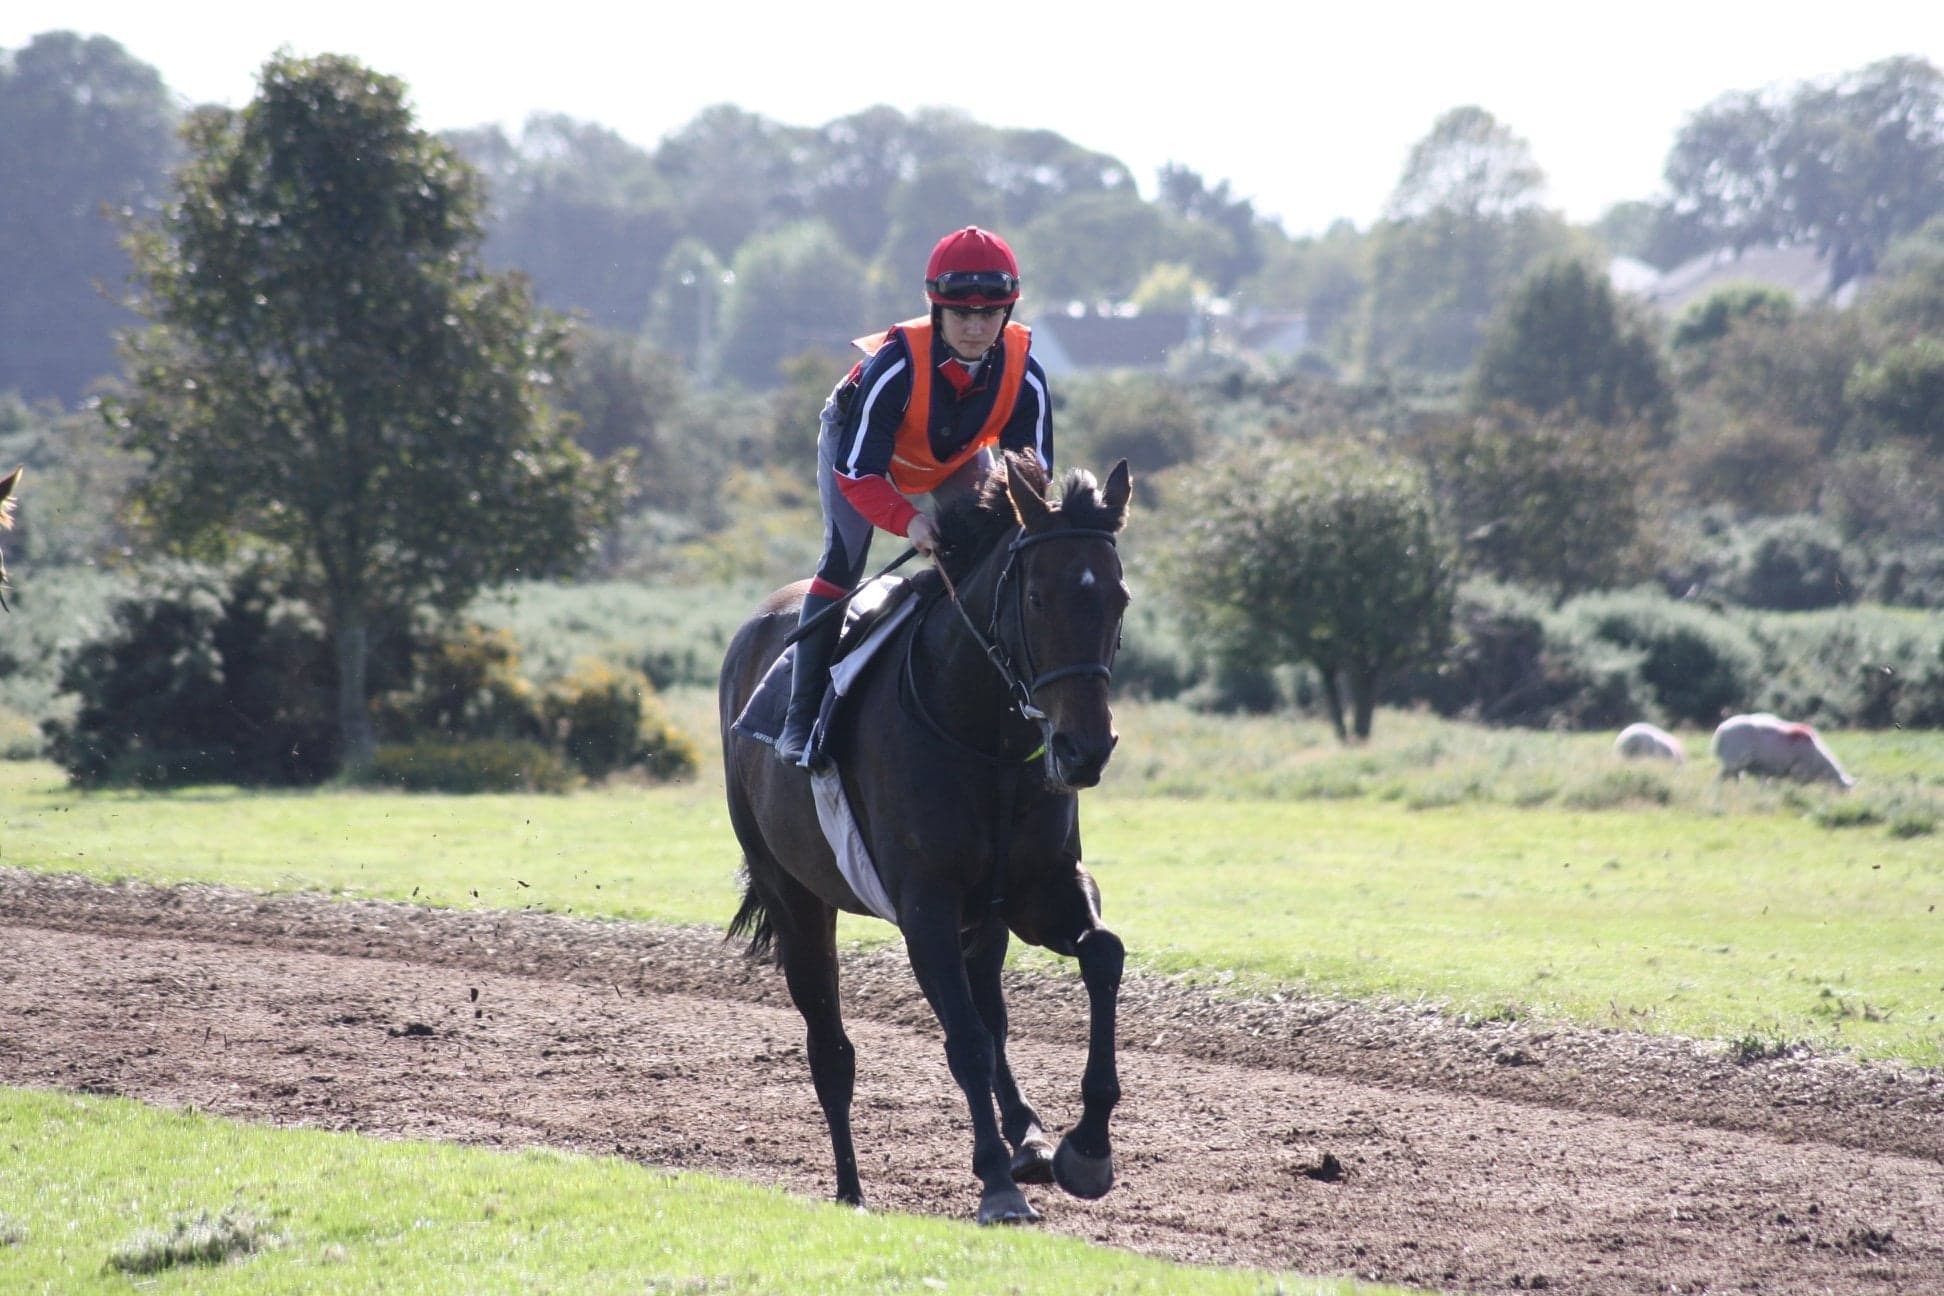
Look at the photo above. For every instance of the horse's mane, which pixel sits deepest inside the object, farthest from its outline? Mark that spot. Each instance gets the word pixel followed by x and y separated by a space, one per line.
pixel 975 524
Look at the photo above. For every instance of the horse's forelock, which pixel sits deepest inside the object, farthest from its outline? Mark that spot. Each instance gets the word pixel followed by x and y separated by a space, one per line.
pixel 974 523
pixel 1082 505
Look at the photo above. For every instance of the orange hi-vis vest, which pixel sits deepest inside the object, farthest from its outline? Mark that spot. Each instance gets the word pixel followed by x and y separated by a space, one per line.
pixel 914 469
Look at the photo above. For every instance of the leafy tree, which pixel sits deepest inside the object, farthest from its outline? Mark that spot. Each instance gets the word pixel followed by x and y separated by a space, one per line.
pixel 329 369
pixel 1470 166
pixel 1462 226
pixel 1323 556
pixel 580 211
pixel 1906 299
pixel 620 394
pixel 795 290
pixel 1845 167
pixel 1142 418
pixel 1778 371
pixel 1170 286
pixel 1187 195
pixel 85 129
pixel 734 173
pixel 1653 232
pixel 687 307
pixel 1094 247
pixel 1564 343
pixel 1551 502
pixel 1327 278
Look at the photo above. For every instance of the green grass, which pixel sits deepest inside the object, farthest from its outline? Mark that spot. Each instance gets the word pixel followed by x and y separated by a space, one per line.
pixel 307 1211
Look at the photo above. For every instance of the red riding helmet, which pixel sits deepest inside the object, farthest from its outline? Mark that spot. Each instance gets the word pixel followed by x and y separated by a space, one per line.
pixel 972 267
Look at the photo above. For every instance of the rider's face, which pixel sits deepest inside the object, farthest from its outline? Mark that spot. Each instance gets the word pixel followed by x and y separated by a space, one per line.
pixel 970 330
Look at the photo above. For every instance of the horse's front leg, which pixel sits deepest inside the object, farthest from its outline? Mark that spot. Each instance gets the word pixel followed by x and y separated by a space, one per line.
pixel 1032 1150
pixel 1084 1165
pixel 1061 911
pixel 931 932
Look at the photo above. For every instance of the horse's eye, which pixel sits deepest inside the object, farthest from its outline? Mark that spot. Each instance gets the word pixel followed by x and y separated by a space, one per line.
pixel 1033 598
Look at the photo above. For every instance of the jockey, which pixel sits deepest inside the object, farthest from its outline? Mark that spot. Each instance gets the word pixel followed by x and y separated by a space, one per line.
pixel 921 416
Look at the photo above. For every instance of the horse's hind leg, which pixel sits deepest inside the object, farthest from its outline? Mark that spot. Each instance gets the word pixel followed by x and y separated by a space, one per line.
pixel 1032 1150
pixel 806 942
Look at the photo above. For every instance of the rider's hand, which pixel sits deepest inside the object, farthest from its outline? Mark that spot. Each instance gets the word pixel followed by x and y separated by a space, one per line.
pixel 923 534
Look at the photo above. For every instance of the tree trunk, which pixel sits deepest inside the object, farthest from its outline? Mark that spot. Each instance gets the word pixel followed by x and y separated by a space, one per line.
pixel 357 743
pixel 1333 698
pixel 1363 697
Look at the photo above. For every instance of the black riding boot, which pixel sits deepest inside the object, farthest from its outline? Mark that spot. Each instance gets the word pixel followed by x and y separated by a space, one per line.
pixel 808 675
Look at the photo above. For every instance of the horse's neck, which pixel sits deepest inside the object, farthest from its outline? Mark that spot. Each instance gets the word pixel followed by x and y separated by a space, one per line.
pixel 961 687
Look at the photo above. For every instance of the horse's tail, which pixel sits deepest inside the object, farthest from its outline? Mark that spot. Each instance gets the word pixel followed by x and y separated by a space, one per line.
pixel 753 920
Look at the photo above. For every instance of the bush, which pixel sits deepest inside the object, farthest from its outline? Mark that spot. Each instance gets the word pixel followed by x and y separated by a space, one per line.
pixel 1789 564
pixel 1514 662
pixel 606 719
pixel 1860 667
pixel 1912 577
pixel 489 765
pixel 1699 664
pixel 464 683
pixel 207 678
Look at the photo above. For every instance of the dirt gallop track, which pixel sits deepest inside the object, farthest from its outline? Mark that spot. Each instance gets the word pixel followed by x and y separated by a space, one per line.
pixel 1302 1135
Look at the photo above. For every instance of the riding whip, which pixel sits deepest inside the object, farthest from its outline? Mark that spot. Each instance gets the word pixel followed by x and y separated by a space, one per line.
pixel 844 599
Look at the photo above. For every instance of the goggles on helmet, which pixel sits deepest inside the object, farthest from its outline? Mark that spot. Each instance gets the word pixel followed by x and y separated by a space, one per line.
pixel 969 285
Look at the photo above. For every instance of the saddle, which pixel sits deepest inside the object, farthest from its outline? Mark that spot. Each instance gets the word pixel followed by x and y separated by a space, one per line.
pixel 875 612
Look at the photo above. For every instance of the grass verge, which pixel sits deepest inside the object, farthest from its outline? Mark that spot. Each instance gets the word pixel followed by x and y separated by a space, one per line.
pixel 114 1187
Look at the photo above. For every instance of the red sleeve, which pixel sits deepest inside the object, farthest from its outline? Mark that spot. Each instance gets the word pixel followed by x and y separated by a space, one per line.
pixel 878 500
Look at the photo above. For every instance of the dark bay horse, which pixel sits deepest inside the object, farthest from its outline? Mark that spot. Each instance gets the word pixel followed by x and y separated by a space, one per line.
pixel 961 753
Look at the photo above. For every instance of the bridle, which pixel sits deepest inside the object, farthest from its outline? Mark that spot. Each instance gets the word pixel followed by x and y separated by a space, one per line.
pixel 1023 684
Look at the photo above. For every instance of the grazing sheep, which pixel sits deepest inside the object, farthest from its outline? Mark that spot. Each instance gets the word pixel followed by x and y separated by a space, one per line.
pixel 1764 744
pixel 1644 739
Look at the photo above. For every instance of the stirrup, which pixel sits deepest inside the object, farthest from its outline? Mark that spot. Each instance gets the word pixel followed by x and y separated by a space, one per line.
pixel 793 745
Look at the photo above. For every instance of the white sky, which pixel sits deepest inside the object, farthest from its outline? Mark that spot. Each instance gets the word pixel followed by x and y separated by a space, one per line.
pixel 1308 110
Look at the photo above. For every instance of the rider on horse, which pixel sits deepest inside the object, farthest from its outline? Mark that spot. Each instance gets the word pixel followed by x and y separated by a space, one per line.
pixel 921 415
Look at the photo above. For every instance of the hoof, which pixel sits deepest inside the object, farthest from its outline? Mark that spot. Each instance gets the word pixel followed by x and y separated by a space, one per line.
pixel 1082 1175
pixel 1007 1206
pixel 1033 1163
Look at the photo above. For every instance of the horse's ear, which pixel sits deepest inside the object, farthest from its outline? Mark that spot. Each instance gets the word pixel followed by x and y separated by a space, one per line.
pixel 1120 489
pixel 7 485
pixel 1029 506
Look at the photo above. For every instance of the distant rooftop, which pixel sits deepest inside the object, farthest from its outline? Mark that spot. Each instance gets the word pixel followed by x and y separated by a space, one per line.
pixel 1795 270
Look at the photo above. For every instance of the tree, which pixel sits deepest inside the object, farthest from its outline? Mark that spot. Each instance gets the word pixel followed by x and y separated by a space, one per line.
pixel 580 211
pixel 1552 502
pixel 794 290
pixel 329 370
pixel 1324 556
pixel 1563 343
pixel 85 129
pixel 1469 166
pixel 1846 167
pixel 1095 247
pixel 1463 225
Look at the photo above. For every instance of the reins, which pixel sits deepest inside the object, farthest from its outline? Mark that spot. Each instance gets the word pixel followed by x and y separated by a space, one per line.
pixel 1019 686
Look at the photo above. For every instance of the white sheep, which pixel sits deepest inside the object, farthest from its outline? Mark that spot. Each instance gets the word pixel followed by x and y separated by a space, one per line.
pixel 1764 744
pixel 1643 739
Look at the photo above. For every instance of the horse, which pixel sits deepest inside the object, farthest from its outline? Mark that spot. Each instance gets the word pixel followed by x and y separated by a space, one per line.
pixel 7 502
pixel 961 754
